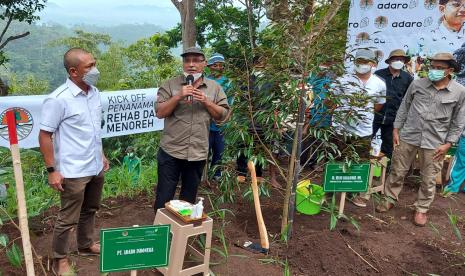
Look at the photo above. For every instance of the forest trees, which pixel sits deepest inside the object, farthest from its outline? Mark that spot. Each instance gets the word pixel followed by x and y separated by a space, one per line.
pixel 16 10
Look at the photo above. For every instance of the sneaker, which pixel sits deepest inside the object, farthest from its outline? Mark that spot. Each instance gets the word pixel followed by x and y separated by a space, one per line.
pixel 359 201
pixel 240 178
pixel 420 219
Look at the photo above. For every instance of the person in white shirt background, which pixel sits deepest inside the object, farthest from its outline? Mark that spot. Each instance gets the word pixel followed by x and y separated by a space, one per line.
pixel 71 145
pixel 363 94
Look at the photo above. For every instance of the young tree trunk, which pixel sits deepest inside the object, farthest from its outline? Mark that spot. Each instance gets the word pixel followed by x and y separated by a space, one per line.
pixel 186 9
pixel 294 170
pixel 250 21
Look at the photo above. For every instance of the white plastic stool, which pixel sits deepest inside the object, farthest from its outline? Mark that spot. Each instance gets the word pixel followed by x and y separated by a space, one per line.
pixel 180 234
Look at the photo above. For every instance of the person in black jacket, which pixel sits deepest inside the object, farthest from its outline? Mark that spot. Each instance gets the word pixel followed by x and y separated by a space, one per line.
pixel 397 82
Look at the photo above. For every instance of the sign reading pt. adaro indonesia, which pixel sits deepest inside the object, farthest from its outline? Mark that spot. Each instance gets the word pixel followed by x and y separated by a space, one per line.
pixel 354 179
pixel 133 248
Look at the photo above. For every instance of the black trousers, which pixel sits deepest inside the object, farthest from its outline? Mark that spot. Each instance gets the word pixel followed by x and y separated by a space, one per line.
pixel 386 137
pixel 169 171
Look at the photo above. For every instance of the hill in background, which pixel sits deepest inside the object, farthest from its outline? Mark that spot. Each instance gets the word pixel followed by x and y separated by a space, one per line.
pixel 34 54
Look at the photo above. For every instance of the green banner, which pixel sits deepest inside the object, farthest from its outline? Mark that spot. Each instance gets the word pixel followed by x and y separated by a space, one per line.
pixel 133 248
pixel 354 179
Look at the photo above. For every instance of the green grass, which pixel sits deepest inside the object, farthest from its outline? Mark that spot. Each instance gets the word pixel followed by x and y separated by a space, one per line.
pixel 40 197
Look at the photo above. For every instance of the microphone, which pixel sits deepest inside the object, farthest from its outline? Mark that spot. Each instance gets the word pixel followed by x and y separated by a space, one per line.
pixel 190 81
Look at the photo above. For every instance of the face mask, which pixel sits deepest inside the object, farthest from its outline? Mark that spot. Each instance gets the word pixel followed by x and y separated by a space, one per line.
pixel 131 154
pixel 91 77
pixel 196 75
pixel 436 75
pixel 362 68
pixel 397 65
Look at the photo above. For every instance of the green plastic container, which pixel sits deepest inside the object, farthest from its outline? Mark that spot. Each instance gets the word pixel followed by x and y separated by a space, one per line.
pixel 377 171
pixel 309 198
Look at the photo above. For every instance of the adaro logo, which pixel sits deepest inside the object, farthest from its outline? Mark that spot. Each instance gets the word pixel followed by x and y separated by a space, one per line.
pixel 379 55
pixel 366 4
pixel 381 22
pixel 362 38
pixel 24 123
pixel 431 4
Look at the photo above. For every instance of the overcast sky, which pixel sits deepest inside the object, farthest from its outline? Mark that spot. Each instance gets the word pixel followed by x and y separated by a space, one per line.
pixel 111 12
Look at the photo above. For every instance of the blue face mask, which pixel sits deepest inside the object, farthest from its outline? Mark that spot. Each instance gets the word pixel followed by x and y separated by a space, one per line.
pixel 436 75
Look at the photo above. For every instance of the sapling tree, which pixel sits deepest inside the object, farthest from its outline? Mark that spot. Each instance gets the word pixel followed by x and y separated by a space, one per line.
pixel 269 120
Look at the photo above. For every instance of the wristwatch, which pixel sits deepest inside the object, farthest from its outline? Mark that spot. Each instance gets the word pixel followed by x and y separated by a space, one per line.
pixel 50 169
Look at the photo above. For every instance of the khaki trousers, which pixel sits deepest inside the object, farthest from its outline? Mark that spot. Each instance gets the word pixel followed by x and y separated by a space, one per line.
pixel 402 159
pixel 79 203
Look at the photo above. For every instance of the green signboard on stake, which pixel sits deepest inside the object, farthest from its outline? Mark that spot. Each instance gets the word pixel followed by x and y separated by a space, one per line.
pixel 354 179
pixel 133 248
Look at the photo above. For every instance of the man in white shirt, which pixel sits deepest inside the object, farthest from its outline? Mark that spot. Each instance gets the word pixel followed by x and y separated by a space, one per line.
pixel 362 94
pixel 71 144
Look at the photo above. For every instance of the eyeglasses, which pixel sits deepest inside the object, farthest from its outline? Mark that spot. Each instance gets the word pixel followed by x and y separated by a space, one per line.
pixel 457 4
pixel 192 60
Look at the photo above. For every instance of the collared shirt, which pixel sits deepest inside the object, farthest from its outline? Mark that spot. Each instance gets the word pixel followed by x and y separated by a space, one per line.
pixel 396 86
pixel 74 118
pixel 372 92
pixel 186 130
pixel 226 85
pixel 427 43
pixel 429 117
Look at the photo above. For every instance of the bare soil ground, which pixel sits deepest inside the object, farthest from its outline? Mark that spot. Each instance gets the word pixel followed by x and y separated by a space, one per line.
pixel 387 244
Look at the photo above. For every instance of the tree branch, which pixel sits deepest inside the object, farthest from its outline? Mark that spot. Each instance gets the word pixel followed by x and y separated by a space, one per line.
pixel 6 27
pixel 324 22
pixel 177 4
pixel 11 38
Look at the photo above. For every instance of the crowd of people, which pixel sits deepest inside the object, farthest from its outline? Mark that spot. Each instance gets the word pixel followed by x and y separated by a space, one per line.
pixel 423 117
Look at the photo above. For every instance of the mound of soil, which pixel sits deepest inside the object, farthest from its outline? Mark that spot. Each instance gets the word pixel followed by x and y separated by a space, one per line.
pixel 387 244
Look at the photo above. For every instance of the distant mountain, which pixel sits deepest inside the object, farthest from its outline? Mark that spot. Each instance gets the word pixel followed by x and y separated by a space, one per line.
pixel 106 13
pixel 34 54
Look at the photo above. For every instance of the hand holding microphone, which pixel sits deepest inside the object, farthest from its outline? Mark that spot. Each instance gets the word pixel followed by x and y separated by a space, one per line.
pixel 189 87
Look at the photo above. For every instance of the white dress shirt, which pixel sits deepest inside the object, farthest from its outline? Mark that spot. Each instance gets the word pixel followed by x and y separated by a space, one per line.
pixel 375 92
pixel 75 120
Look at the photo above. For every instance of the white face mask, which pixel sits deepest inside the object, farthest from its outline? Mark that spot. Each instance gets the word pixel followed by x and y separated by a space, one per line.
pixel 91 77
pixel 196 75
pixel 397 65
pixel 362 68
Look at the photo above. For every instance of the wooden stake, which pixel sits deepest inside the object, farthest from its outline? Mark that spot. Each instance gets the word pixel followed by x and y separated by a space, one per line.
pixel 20 195
pixel 134 272
pixel 342 203
pixel 261 223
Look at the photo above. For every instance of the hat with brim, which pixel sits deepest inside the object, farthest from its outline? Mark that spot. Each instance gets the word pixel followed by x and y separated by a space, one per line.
pixel 448 58
pixel 215 58
pixel 366 54
pixel 193 51
pixel 398 53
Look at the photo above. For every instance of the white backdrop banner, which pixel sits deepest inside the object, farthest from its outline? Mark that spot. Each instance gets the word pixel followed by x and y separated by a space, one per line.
pixel 420 27
pixel 123 113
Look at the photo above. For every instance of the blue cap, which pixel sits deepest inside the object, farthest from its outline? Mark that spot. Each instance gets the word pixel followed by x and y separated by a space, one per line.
pixel 216 57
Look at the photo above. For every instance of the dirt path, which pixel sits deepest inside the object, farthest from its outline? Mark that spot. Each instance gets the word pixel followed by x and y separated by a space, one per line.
pixel 390 242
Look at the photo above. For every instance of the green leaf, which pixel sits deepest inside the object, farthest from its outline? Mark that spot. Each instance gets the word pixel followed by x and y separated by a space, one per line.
pixel 333 222
pixel 3 240
pixel 14 256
